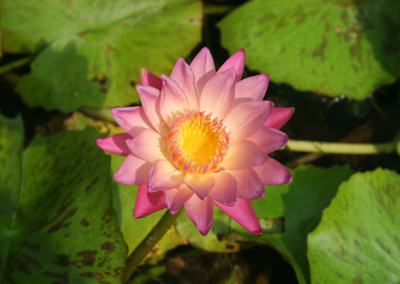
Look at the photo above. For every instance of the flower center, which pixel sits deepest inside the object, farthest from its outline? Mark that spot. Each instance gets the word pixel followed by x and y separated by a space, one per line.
pixel 197 144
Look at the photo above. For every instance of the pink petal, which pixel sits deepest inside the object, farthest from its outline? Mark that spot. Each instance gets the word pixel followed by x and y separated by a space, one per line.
pixel 253 87
pixel 203 65
pixel 200 184
pixel 148 145
pixel 279 117
pixel 131 119
pixel 184 77
pixel 147 203
pixel 217 95
pixel 243 213
pixel 236 61
pixel 245 118
pixel 173 101
pixel 269 139
pixel 248 184
pixel 115 144
pixel 133 171
pixel 243 155
pixel 148 78
pixel 273 173
pixel 200 212
pixel 176 197
pixel 224 189
pixel 149 97
pixel 164 176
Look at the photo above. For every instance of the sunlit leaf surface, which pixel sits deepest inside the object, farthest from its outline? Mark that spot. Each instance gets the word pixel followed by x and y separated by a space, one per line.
pixel 358 238
pixel 330 47
pixel 92 52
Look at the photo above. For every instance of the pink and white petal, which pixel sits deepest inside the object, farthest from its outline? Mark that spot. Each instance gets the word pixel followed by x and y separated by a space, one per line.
pixel 200 212
pixel 148 78
pixel 279 117
pixel 115 144
pixel 253 87
pixel 176 197
pixel 236 61
pixel 218 94
pixel 243 213
pixel 273 173
pixel 131 119
pixel 200 184
pixel 133 171
pixel 184 77
pixel 148 145
pixel 203 66
pixel 164 176
pixel 173 101
pixel 248 184
pixel 150 98
pixel 224 190
pixel 243 155
pixel 245 118
pixel 148 203
pixel 269 139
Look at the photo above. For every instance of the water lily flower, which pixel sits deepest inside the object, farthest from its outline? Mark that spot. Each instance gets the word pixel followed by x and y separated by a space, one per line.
pixel 201 138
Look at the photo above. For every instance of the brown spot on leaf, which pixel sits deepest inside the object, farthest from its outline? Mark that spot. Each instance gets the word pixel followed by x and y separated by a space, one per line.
pixel 133 83
pixel 88 257
pixel 111 48
pixel 108 246
pixel 63 260
pixel 105 259
pixel 62 224
pixel 91 275
pixel 320 51
pixel 85 223
pixel 382 245
pixel 103 90
pixel 93 182
pixel 63 277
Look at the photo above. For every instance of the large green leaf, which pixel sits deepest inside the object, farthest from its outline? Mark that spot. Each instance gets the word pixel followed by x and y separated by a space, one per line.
pixel 91 52
pixel 58 225
pixel 332 47
pixel 358 239
pixel 124 196
pixel 296 209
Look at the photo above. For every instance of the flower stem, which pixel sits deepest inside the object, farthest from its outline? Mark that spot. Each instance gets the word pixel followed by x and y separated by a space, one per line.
pixel 340 148
pixel 15 64
pixel 148 243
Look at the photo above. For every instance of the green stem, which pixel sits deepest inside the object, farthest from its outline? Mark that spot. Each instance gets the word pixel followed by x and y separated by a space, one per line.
pixel 137 256
pixel 98 113
pixel 15 64
pixel 340 148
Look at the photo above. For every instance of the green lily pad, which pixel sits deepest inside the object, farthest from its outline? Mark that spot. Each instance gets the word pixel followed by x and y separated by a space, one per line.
pixel 358 239
pixel 90 52
pixel 124 196
pixel 330 47
pixel 58 224
pixel 299 205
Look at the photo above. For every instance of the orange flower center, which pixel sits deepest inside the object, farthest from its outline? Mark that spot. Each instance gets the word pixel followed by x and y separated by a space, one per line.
pixel 197 144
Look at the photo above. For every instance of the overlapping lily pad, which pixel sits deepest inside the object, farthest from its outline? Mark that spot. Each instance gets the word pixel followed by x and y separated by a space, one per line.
pixel 92 52
pixel 289 212
pixel 57 220
pixel 330 47
pixel 358 239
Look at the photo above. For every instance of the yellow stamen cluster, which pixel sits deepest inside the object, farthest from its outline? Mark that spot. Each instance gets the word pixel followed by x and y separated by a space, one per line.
pixel 197 144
